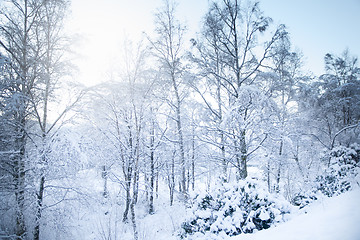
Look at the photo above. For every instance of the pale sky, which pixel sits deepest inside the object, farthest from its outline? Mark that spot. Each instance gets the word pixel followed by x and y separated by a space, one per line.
pixel 316 27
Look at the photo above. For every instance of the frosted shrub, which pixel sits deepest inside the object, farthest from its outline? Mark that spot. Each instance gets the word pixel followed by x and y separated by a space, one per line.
pixel 342 172
pixel 232 209
pixel 303 199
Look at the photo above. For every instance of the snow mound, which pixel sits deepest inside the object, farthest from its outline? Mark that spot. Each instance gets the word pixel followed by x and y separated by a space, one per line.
pixel 327 219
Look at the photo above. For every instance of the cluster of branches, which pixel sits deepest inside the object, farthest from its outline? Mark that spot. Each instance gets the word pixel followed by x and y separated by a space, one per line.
pixel 34 66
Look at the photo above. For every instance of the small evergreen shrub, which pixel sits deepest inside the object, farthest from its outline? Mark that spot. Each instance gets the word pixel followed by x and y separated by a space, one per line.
pixel 232 209
pixel 342 172
pixel 301 200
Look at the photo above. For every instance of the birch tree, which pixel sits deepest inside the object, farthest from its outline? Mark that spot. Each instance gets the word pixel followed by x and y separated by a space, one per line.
pixel 54 68
pixel 33 39
pixel 281 88
pixel 122 104
pixel 168 49
pixel 230 43
pixel 17 40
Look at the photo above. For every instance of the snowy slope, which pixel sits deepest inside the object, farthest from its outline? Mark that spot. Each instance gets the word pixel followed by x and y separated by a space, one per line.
pixel 336 218
pixel 328 219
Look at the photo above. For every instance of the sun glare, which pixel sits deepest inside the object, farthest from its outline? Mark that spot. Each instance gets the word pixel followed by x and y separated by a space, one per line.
pixel 102 29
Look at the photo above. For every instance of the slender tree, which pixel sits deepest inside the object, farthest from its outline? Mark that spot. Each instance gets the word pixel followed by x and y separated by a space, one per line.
pixel 54 67
pixel 281 88
pixel 168 48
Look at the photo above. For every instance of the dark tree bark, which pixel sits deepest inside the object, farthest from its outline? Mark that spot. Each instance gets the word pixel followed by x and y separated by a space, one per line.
pixel 152 167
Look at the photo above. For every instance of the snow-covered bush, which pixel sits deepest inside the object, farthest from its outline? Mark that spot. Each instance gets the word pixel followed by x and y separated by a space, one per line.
pixel 343 170
pixel 232 209
pixel 303 199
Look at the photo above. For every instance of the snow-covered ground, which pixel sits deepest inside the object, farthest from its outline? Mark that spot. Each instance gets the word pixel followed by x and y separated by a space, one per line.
pixel 334 218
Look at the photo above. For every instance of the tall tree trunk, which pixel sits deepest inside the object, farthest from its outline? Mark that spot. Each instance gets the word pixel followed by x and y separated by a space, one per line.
pixel 152 167
pixel 278 175
pixel 128 163
pixel 20 173
pixel 152 181
pixel 220 114
pixel 241 155
pixel 193 173
pixel 133 220
pixel 147 186
pixel 296 158
pixel 132 210
pixel 136 186
pixel 180 137
pixel 40 193
pixel 244 172
pixel 238 159
pixel 104 175
pixel 128 194
pixel 188 179
pixel 43 126
pixel 172 180
pixel 19 182
pixel 224 162
pixel 268 176
pixel 157 181
pixel 193 159
pixel 40 198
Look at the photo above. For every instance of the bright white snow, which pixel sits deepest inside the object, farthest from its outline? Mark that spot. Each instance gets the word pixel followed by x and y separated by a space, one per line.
pixel 334 218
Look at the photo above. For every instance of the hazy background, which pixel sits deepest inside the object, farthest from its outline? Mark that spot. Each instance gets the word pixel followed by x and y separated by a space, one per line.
pixel 316 27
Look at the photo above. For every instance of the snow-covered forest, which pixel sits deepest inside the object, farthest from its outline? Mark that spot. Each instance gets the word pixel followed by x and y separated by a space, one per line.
pixel 220 135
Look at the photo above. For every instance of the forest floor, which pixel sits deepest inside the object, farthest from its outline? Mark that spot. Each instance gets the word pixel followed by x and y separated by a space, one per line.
pixel 326 219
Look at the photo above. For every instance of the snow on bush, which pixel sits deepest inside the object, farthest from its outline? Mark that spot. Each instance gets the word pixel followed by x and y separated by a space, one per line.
pixel 303 199
pixel 343 171
pixel 232 209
